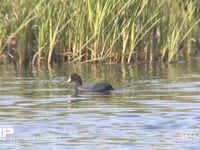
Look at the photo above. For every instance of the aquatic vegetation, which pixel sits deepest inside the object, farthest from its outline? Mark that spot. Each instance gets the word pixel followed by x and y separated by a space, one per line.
pixel 107 31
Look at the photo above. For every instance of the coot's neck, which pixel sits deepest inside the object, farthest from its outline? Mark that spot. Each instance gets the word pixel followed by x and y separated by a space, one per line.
pixel 79 82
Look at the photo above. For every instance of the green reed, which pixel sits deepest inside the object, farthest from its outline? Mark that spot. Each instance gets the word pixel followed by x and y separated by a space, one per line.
pixel 108 31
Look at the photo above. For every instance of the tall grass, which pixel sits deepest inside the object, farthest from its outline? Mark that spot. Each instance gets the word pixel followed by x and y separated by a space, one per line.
pixel 108 31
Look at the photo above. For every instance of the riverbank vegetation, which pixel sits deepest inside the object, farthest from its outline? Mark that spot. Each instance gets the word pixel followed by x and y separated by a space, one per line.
pixel 109 31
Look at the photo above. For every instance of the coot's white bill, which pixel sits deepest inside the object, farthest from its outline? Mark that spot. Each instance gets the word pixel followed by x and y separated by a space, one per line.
pixel 69 79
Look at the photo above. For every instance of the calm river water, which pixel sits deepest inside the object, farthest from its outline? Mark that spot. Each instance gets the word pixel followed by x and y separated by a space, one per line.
pixel 153 106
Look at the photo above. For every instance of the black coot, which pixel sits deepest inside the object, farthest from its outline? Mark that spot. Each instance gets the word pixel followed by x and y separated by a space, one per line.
pixel 93 87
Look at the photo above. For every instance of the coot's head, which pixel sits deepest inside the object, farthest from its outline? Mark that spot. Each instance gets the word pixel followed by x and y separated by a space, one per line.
pixel 75 78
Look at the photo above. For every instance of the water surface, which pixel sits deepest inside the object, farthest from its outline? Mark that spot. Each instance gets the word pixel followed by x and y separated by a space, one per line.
pixel 153 106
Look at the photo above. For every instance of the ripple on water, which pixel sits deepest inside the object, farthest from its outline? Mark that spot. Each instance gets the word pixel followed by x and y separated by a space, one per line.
pixel 144 111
